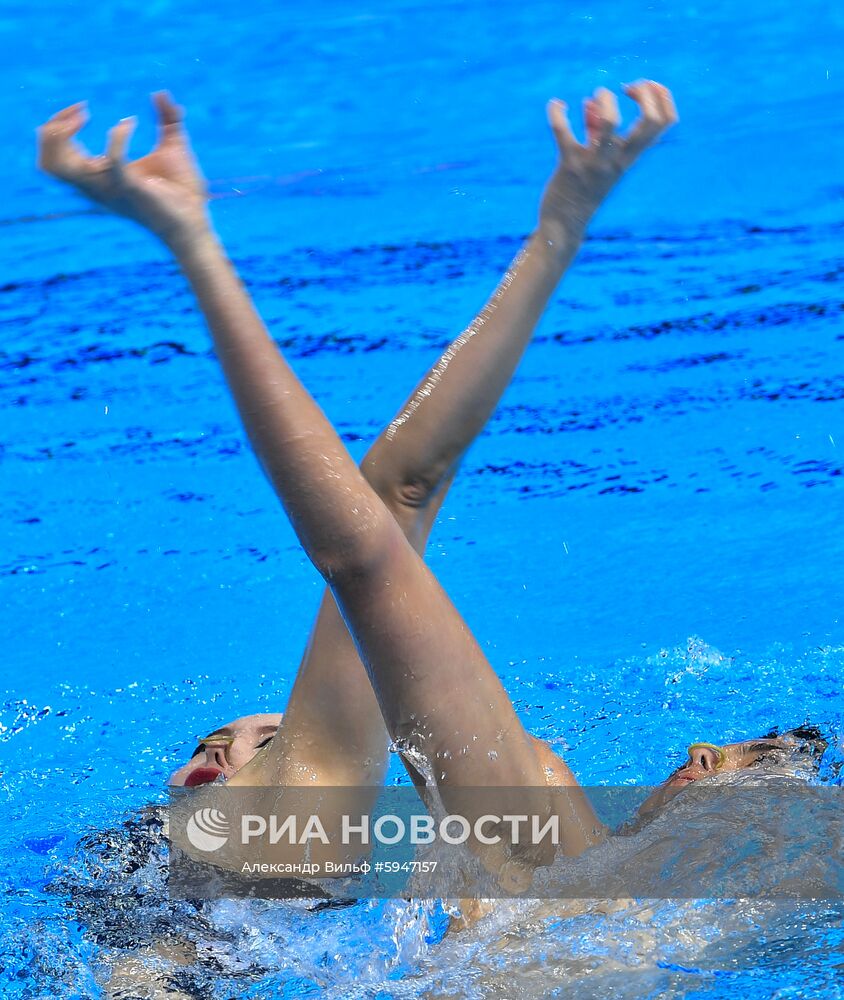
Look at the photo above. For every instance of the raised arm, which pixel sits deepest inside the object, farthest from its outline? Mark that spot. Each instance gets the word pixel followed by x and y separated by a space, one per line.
pixel 420 449
pixel 413 642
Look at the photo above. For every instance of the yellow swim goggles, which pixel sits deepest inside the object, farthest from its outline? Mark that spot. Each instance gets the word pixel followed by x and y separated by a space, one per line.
pixel 720 751
pixel 214 738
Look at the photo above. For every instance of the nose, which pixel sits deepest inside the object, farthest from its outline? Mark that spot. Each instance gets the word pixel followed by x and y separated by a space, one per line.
pixel 704 757
pixel 215 754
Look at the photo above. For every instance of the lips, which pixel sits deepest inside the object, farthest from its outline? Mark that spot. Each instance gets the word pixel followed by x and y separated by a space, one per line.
pixel 679 780
pixel 202 776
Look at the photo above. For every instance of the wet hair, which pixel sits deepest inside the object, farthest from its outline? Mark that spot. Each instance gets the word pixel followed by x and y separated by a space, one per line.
pixel 809 738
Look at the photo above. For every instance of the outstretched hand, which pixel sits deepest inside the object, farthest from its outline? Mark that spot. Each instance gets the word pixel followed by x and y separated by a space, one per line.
pixel 587 171
pixel 164 191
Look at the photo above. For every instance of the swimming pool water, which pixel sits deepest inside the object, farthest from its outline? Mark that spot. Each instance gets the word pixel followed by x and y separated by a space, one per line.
pixel 647 539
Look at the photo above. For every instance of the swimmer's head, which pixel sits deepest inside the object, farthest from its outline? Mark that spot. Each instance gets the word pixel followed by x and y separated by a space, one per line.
pixel 225 750
pixel 705 760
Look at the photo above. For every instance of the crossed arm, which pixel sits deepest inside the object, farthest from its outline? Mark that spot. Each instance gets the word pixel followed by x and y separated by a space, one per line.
pixel 363 529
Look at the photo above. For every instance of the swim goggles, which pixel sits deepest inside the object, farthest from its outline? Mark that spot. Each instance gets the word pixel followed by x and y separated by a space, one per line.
pixel 228 740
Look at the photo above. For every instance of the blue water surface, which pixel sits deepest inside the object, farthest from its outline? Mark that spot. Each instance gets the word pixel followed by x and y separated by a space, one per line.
pixel 647 540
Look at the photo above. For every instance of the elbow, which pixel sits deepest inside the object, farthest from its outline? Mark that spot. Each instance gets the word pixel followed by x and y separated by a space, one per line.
pixel 410 494
pixel 402 489
pixel 360 554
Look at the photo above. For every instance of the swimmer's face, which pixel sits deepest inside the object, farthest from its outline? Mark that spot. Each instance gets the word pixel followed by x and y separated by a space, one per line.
pixel 227 749
pixel 705 760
